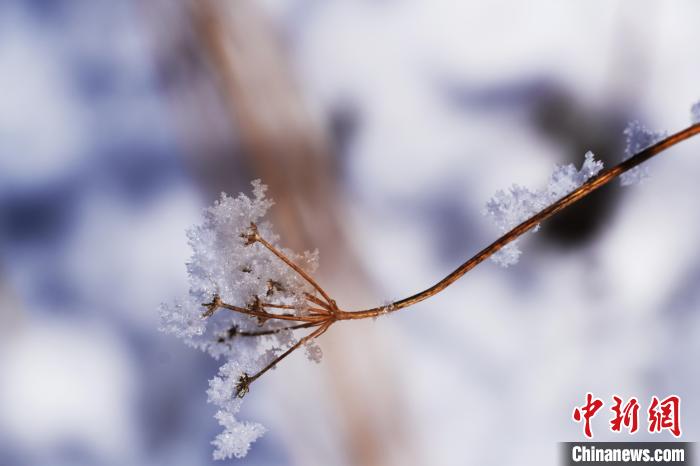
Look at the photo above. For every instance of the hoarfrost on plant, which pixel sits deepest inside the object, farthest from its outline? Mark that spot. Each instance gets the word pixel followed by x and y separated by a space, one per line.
pixel 638 138
pixel 237 436
pixel 227 265
pixel 511 207
pixel 313 351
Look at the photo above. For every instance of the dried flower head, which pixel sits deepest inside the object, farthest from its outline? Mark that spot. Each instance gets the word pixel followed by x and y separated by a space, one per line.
pixel 239 280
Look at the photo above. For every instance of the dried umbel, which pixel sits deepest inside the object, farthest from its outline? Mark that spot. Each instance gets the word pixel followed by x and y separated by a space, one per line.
pixel 252 302
pixel 247 297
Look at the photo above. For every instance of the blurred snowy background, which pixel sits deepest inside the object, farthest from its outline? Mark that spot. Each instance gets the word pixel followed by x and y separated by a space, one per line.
pixel 382 128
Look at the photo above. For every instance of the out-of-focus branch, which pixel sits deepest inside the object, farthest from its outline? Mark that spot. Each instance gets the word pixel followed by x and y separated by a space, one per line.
pixel 280 139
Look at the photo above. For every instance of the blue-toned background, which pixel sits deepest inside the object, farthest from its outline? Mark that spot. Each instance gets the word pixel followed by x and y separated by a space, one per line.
pixel 382 128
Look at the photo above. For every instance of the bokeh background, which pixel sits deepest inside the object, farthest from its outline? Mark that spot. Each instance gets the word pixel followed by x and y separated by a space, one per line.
pixel 382 127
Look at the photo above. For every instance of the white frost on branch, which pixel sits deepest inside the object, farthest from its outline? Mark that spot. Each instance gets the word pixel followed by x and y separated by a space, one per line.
pixel 237 436
pixel 511 207
pixel 242 273
pixel 638 138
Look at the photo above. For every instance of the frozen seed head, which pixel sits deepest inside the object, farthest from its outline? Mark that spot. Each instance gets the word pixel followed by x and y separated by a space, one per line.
pixel 511 207
pixel 230 267
pixel 638 138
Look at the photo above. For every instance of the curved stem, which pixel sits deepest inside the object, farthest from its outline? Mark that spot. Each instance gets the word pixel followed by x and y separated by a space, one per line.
pixel 277 330
pixel 576 195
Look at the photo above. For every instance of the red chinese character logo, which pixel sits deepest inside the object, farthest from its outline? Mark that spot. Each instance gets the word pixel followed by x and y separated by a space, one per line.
pixel 627 415
pixel 586 412
pixel 665 414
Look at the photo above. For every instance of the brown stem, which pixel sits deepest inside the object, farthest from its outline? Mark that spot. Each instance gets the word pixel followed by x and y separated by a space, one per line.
pixel 576 195
pixel 267 315
pixel 312 310
pixel 277 330
pixel 315 300
pixel 294 267
pixel 278 306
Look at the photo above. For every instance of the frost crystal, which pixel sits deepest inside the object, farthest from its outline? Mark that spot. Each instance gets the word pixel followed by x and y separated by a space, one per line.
pixel 512 207
pixel 695 113
pixel 313 351
pixel 638 138
pixel 225 263
pixel 237 436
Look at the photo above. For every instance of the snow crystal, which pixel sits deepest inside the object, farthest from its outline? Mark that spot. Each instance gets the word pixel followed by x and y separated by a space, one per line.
pixel 313 351
pixel 182 320
pixel 512 207
pixel 508 255
pixel 638 138
pixel 236 438
pixel 695 113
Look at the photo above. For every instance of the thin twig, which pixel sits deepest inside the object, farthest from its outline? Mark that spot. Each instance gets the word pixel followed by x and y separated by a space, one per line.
pixel 313 310
pixel 315 300
pixel 246 380
pixel 267 315
pixel 294 267
pixel 576 195
pixel 329 312
pixel 278 306
pixel 278 330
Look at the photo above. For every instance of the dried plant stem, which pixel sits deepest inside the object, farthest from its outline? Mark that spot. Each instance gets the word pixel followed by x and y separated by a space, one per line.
pixel 315 300
pixel 302 273
pixel 218 304
pixel 576 195
pixel 278 330
pixel 329 312
pixel 313 310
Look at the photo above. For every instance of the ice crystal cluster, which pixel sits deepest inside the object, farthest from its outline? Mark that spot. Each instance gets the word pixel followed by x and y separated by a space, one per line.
pixel 638 138
pixel 226 264
pixel 511 207
pixel 695 113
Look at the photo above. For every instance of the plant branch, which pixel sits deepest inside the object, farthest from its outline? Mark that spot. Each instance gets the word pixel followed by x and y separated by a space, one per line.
pixel 277 330
pixel 218 304
pixel 576 195
pixel 329 313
